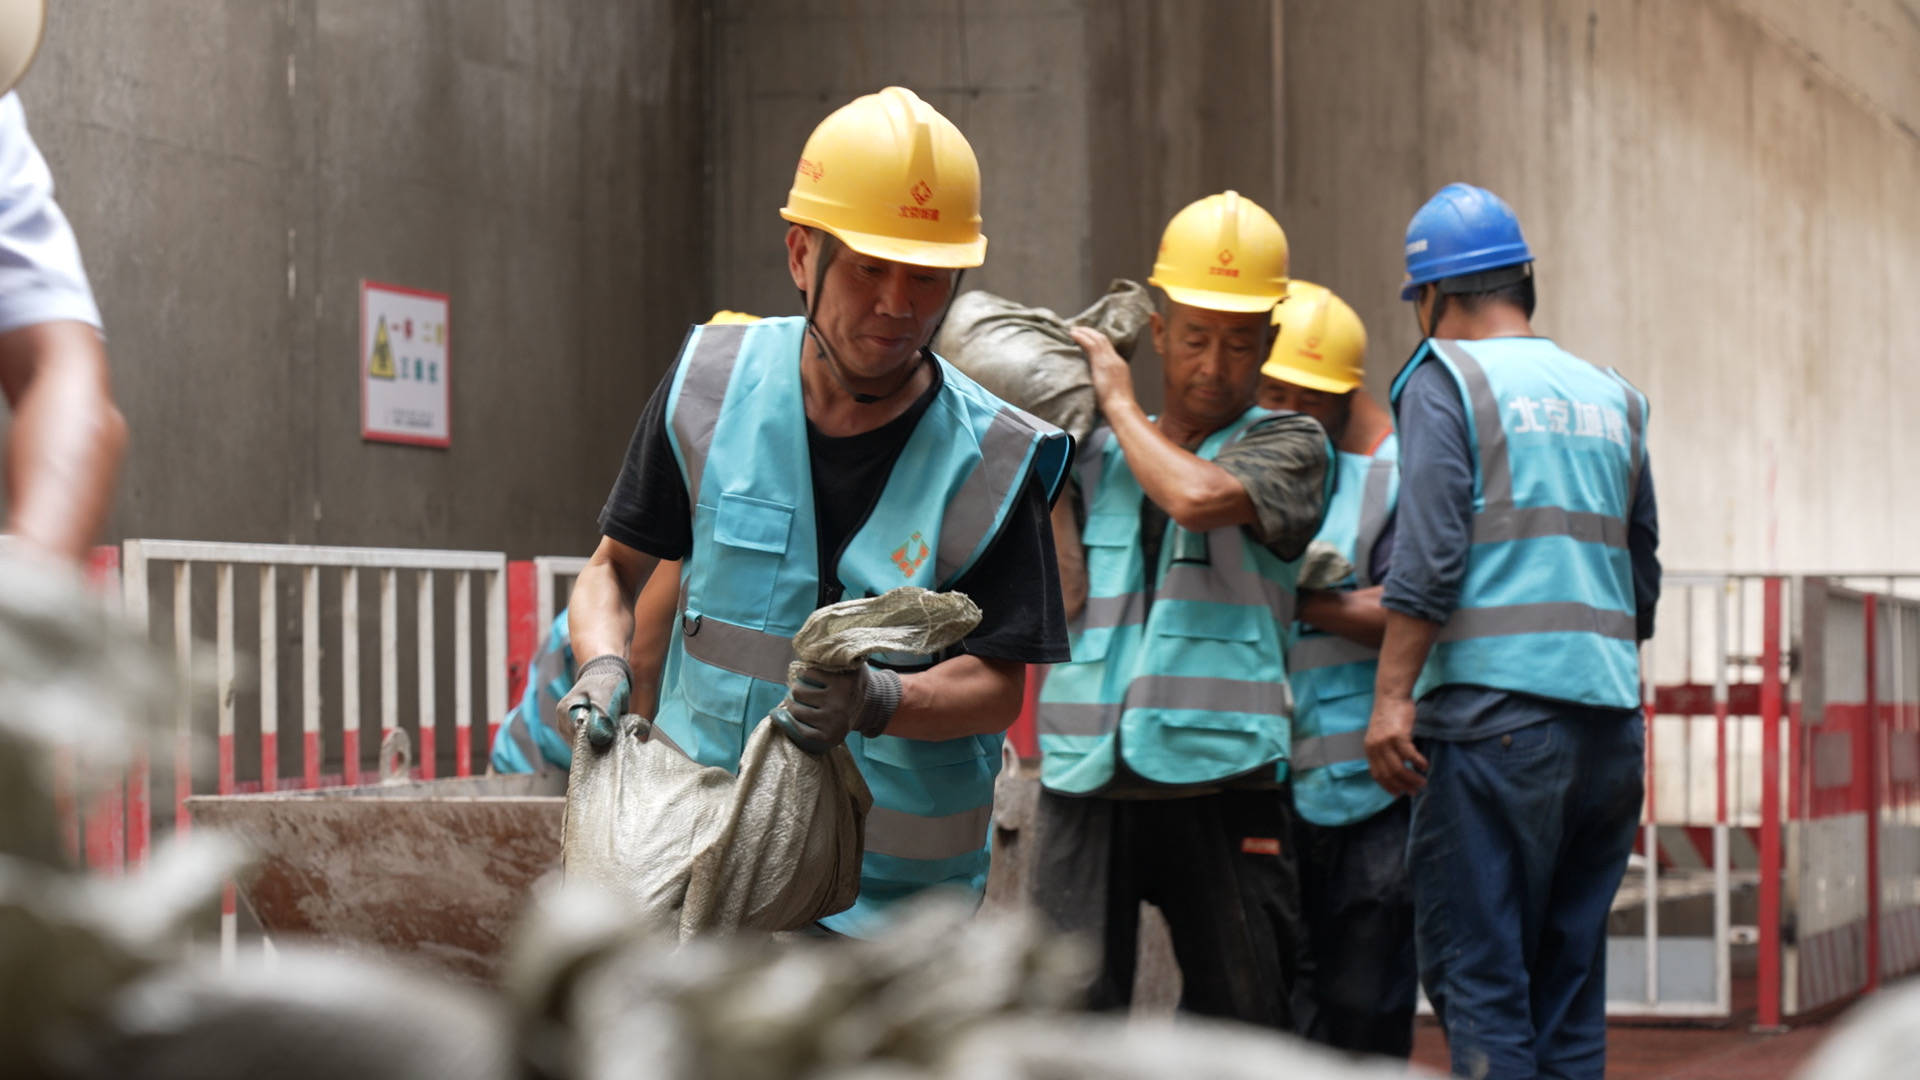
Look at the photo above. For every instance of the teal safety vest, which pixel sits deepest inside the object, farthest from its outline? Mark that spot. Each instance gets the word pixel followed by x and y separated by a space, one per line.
pixel 1547 605
pixel 737 422
pixel 1190 690
pixel 1332 677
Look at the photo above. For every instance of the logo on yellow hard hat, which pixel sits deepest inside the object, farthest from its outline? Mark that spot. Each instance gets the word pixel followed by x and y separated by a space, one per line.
pixel 811 170
pixel 921 193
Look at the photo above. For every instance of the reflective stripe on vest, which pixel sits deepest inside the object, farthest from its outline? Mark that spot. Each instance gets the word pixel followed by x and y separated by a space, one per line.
pixel 1320 751
pixel 1332 677
pixel 1376 506
pixel 1189 690
pixel 736 419
pixel 1547 602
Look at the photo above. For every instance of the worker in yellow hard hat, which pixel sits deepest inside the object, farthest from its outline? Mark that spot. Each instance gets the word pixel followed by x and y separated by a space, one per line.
pixel 1164 740
pixel 1317 367
pixel 1357 991
pixel 788 463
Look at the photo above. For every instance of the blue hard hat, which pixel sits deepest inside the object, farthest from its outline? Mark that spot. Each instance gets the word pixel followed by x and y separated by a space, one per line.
pixel 1461 230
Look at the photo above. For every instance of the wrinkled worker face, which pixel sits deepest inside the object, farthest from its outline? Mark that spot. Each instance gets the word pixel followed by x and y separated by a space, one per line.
pixel 1212 360
pixel 875 314
pixel 1332 410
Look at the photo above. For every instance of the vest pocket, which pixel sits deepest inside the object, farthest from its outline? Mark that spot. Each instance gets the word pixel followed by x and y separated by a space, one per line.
pixel 715 692
pixel 755 534
pixel 1112 562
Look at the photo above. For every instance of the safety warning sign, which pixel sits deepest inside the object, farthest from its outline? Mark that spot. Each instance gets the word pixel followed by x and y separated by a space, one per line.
pixel 404 357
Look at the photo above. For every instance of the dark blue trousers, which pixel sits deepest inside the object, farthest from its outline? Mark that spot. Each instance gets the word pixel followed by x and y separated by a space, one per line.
pixel 1517 847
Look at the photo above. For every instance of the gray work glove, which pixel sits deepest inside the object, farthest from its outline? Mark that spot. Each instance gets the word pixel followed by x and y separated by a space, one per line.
pixel 598 699
pixel 822 707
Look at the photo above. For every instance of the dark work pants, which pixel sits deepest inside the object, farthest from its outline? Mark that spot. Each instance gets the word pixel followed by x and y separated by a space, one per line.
pixel 1517 847
pixel 1219 867
pixel 1358 981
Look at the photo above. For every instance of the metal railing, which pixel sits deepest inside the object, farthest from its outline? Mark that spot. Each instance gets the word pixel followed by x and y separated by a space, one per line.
pixel 1783 741
pixel 1698 681
pixel 553 578
pixel 269 568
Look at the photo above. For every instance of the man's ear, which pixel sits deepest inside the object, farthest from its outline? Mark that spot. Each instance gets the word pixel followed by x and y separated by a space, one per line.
pixel 801 251
pixel 1157 326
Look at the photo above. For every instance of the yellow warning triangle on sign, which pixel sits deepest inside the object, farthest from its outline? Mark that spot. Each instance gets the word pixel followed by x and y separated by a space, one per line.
pixel 380 366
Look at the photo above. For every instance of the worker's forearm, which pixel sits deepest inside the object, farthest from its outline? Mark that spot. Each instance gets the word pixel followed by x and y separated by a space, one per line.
pixel 600 611
pixel 1403 652
pixel 1195 493
pixel 1354 614
pixel 68 437
pixel 966 695
pixel 1071 557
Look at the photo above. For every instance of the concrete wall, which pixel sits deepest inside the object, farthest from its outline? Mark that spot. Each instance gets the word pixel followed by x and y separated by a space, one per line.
pixel 1721 197
pixel 1720 194
pixel 1087 116
pixel 234 168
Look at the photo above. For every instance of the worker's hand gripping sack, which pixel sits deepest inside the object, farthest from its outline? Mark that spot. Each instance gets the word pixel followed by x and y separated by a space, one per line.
pixel 776 847
pixel 1024 354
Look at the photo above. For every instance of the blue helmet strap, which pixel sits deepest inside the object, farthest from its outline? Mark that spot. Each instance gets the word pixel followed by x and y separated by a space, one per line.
pixel 1486 280
pixel 1483 282
pixel 829 247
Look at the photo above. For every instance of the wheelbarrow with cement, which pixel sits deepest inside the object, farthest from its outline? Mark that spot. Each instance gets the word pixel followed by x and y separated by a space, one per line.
pixel 439 870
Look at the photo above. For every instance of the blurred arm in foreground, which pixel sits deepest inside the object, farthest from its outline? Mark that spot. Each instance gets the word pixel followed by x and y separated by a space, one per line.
pixel 68 437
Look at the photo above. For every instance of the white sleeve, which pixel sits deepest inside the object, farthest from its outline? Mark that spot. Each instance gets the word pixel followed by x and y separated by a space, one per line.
pixel 41 276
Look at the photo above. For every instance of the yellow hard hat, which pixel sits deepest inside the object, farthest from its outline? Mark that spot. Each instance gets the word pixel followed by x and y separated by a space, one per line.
pixel 1223 253
pixel 891 178
pixel 1321 344
pixel 22 23
pixel 724 317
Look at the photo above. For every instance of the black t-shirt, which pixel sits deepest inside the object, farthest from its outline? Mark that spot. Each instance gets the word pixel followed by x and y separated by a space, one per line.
pixel 1016 582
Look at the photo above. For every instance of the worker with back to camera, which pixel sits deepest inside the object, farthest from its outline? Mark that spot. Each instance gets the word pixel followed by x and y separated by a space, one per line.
pixel 67 436
pixel 1508 696
pixel 1164 740
pixel 793 462
pixel 1357 986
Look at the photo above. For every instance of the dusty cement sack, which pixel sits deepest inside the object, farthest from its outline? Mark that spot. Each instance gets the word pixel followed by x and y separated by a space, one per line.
pixel 940 995
pixel 775 847
pixel 1323 567
pixel 1023 354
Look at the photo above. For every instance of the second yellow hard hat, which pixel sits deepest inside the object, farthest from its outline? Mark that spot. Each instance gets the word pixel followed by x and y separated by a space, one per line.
pixel 891 178
pixel 1321 343
pixel 1223 253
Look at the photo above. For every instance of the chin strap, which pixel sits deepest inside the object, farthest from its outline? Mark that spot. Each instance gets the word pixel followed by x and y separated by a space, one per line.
pixel 829 247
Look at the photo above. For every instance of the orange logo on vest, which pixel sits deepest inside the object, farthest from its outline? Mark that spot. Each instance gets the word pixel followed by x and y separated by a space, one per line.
pixel 910 555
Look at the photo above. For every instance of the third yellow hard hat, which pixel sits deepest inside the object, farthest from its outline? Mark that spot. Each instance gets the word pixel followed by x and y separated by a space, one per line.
pixel 1223 253
pixel 891 178
pixel 1321 343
